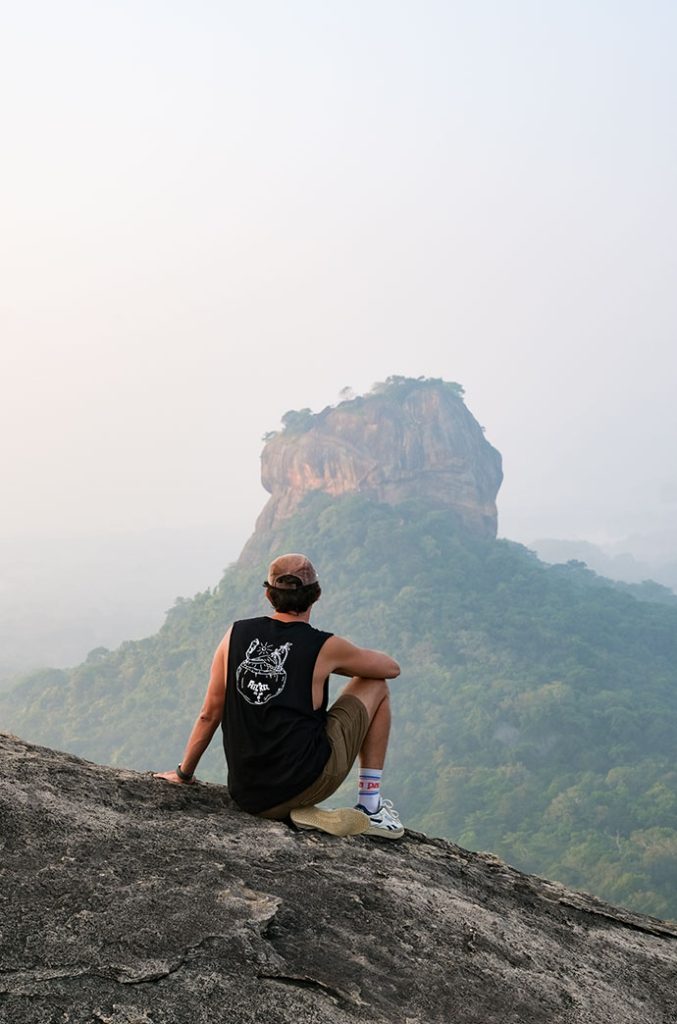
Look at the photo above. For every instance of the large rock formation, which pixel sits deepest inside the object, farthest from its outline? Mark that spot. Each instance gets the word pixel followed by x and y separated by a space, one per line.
pixel 407 439
pixel 129 901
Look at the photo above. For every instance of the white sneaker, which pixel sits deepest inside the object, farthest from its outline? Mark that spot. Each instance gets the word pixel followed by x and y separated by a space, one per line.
pixel 384 823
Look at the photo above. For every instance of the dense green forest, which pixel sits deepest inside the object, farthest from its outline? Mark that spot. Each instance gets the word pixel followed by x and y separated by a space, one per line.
pixel 535 715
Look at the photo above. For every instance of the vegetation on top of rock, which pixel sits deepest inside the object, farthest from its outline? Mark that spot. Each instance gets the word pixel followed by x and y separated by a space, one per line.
pixel 298 421
pixel 397 386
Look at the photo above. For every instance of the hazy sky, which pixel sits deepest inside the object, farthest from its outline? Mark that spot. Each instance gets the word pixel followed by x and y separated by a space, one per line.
pixel 213 212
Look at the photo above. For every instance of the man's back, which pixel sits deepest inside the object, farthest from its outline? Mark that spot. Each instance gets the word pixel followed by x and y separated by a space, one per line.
pixel 274 739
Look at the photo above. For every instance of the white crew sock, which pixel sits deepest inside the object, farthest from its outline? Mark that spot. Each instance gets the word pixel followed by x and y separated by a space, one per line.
pixel 369 788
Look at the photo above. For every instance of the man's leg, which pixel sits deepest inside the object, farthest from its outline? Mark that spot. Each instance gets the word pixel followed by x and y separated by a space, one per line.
pixel 364 736
pixel 352 731
pixel 375 696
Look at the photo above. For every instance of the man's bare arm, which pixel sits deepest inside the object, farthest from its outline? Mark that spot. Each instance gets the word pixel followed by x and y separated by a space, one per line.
pixel 342 657
pixel 210 716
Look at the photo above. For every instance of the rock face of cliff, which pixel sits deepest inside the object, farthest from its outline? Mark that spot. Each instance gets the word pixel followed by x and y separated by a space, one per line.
pixel 407 439
pixel 126 900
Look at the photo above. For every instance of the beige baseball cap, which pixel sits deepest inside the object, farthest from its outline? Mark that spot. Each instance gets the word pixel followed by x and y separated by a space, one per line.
pixel 291 565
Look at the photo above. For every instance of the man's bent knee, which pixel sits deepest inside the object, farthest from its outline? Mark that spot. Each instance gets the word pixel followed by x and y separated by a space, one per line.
pixel 370 692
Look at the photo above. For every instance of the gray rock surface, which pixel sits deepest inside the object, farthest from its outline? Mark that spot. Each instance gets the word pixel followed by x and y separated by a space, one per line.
pixel 125 900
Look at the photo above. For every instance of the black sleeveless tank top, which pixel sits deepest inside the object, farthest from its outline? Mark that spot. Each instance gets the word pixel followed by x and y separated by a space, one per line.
pixel 274 740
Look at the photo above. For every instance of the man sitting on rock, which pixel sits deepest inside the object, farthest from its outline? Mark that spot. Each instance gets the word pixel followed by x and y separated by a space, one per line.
pixel 269 688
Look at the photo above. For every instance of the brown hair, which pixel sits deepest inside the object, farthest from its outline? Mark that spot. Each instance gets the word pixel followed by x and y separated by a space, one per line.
pixel 297 600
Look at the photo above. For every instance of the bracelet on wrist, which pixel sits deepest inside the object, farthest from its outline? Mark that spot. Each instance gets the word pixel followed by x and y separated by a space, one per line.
pixel 184 776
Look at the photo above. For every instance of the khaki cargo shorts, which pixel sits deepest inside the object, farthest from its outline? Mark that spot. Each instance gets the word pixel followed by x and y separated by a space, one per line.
pixel 347 725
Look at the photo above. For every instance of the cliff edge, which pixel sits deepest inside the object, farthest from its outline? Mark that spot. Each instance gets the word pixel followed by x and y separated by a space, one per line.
pixel 406 439
pixel 129 901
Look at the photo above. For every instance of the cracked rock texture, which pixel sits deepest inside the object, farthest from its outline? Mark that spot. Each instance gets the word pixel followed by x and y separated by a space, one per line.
pixel 125 900
pixel 419 443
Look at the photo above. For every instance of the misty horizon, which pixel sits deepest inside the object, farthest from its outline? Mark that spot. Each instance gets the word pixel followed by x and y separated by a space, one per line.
pixel 213 215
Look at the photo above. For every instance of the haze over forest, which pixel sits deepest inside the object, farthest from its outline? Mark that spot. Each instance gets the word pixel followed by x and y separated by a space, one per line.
pixel 537 707
pixel 214 214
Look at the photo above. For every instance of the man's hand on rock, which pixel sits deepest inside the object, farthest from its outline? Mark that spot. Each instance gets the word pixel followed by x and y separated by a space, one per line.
pixel 173 777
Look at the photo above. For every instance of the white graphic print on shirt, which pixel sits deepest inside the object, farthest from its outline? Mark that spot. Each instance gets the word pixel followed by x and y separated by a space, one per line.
pixel 261 676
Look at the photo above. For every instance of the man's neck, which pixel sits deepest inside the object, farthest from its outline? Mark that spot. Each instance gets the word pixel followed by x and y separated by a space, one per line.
pixel 289 617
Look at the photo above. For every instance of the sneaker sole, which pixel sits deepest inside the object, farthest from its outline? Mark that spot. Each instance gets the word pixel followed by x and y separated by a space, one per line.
pixel 384 833
pixel 343 821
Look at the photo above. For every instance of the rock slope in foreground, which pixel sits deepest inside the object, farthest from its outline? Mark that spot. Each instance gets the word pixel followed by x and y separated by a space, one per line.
pixel 129 901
